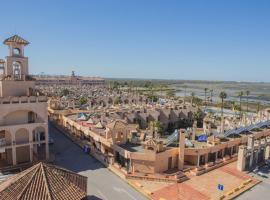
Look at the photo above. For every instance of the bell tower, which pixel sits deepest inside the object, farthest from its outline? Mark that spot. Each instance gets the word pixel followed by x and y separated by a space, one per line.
pixel 15 79
pixel 16 64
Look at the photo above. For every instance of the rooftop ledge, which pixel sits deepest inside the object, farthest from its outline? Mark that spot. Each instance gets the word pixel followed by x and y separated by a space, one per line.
pixel 23 99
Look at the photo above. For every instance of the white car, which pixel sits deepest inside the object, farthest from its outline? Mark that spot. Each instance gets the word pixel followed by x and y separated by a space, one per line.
pixel 256 170
pixel 261 174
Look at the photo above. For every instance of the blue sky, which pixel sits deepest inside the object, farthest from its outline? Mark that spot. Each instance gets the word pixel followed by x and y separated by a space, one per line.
pixel 169 39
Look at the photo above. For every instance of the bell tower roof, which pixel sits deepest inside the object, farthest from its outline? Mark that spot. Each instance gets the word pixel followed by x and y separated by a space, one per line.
pixel 16 39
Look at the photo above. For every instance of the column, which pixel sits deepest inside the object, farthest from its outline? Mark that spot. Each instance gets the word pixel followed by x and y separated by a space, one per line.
pixel 194 130
pixel 223 152
pixel 13 143
pixel 31 152
pixel 14 158
pixel 198 160
pixel 241 162
pixel 257 156
pixel 267 152
pixel 206 158
pixel 31 144
pixel 47 142
pixel 251 159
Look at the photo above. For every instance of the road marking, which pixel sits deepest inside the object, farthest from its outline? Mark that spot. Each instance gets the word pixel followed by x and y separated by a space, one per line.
pixel 123 190
pixel 102 195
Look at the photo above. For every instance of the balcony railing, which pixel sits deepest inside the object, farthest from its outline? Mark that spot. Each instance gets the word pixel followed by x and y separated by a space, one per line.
pixel 17 77
pixel 22 99
pixel 2 142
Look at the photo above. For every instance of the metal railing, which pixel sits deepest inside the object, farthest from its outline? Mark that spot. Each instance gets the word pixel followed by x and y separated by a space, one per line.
pixel 2 142
pixel 17 77
pixel 23 99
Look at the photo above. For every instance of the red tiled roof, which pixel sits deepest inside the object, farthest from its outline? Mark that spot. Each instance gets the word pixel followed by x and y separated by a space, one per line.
pixel 16 39
pixel 44 182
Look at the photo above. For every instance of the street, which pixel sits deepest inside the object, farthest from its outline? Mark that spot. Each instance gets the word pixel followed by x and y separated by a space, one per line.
pixel 102 183
pixel 260 191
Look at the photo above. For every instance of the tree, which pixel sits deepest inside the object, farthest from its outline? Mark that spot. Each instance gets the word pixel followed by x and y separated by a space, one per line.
pixel 83 100
pixel 235 107
pixel 211 95
pixel 170 93
pixel 162 89
pixel 117 100
pixel 65 92
pixel 148 84
pixel 258 107
pixel 205 93
pixel 156 127
pixel 197 101
pixel 222 96
pixel 116 85
pixel 247 95
pixel 197 115
pixel 192 97
pixel 240 95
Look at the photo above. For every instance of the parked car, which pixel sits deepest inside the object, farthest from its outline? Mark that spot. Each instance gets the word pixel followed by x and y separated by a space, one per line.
pixel 267 162
pixel 256 170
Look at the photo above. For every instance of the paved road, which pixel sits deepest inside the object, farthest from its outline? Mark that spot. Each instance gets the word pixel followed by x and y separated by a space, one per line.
pixel 102 183
pixel 261 191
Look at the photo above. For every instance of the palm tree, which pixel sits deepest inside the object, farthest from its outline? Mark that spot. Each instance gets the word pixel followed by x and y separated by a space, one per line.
pixel 222 96
pixel 240 95
pixel 192 97
pixel 247 95
pixel 205 92
pixel 211 95
pixel 258 107
pixel 235 107
pixel 156 128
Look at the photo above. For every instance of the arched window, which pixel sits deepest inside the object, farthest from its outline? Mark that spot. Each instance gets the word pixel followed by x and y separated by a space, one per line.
pixel 17 70
pixel 16 51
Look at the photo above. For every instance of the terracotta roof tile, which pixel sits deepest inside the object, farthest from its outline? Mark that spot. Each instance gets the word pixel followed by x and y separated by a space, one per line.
pixel 16 39
pixel 44 182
